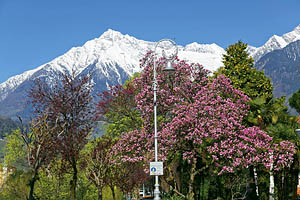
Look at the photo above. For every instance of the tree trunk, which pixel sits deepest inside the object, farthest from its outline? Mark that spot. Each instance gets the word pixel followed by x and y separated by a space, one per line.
pixel 272 186
pixel 286 184
pixel 255 181
pixel 295 173
pixel 31 185
pixel 295 180
pixel 74 180
pixel 112 188
pixel 193 173
pixel 100 196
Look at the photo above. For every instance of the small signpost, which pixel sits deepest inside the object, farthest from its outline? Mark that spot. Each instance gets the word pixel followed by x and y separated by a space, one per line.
pixel 156 168
pixel 298 186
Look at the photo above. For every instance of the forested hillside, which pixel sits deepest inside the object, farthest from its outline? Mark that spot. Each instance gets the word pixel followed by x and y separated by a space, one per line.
pixel 7 125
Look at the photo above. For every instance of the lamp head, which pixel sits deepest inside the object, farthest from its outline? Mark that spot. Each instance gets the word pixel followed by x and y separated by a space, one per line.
pixel 169 67
pixel 298 132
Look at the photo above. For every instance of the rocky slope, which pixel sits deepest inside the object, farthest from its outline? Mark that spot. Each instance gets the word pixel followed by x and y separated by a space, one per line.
pixel 282 66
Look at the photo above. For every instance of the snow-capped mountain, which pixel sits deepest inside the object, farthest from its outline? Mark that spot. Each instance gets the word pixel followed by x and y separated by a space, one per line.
pixel 112 58
pixel 275 42
pixel 282 66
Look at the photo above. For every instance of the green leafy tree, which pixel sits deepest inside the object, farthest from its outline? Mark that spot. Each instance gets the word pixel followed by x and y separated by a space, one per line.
pixel 15 151
pixel 29 149
pixel 97 163
pixel 15 187
pixel 39 148
pixel 238 66
pixel 117 107
pixel 294 100
pixel 53 185
pixel 2 146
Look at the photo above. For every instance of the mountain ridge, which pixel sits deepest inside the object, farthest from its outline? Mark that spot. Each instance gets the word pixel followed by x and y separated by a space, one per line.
pixel 275 42
pixel 113 57
pixel 282 65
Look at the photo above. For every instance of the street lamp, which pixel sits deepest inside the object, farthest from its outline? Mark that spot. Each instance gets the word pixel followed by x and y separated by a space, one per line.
pixel 298 186
pixel 169 68
pixel 298 132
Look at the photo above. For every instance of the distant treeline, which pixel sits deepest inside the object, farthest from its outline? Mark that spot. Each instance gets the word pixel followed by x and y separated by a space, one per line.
pixel 7 125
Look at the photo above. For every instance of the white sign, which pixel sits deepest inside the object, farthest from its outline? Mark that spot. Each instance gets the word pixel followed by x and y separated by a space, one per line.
pixel 156 168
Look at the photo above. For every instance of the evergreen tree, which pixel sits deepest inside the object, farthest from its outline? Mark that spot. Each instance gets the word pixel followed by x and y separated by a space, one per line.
pixel 238 66
pixel 294 101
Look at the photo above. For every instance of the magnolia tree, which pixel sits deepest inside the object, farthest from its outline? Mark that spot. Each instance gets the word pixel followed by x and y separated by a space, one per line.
pixel 200 118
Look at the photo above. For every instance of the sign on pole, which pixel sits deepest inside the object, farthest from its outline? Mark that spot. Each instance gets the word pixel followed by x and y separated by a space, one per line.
pixel 156 168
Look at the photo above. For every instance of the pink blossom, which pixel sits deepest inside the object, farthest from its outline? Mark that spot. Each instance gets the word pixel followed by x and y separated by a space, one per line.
pixel 197 114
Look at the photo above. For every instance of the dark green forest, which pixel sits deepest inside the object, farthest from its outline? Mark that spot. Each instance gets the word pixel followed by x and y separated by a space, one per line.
pixel 7 125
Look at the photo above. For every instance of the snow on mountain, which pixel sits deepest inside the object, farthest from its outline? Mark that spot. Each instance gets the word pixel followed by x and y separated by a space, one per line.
pixel 251 50
pixel 275 42
pixel 14 81
pixel 113 49
pixel 112 58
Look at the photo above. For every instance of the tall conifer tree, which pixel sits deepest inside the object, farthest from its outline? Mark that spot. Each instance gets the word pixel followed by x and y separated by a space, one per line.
pixel 238 66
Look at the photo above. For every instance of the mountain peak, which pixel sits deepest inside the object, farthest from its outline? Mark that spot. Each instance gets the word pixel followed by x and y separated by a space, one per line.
pixel 276 42
pixel 110 58
pixel 111 35
pixel 297 28
pixel 204 48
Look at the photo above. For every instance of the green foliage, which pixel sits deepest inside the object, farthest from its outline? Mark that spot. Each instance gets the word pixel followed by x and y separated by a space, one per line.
pixel 273 117
pixel 51 186
pixel 264 113
pixel 119 109
pixel 15 188
pixel 2 146
pixel 107 194
pixel 294 100
pixel 15 151
pixel 122 122
pixel 174 197
pixel 238 66
pixel 269 113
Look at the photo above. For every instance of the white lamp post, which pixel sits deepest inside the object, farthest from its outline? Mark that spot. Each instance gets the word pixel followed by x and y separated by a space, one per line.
pixel 168 68
pixel 298 186
pixel 298 132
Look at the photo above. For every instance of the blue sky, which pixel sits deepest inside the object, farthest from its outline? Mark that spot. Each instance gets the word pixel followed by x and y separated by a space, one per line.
pixel 33 32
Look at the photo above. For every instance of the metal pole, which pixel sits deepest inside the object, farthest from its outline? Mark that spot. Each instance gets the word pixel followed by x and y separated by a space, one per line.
pixel 298 185
pixel 271 188
pixel 169 68
pixel 156 185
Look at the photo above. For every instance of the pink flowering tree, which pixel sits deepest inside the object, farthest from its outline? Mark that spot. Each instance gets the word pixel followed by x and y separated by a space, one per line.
pixel 199 118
